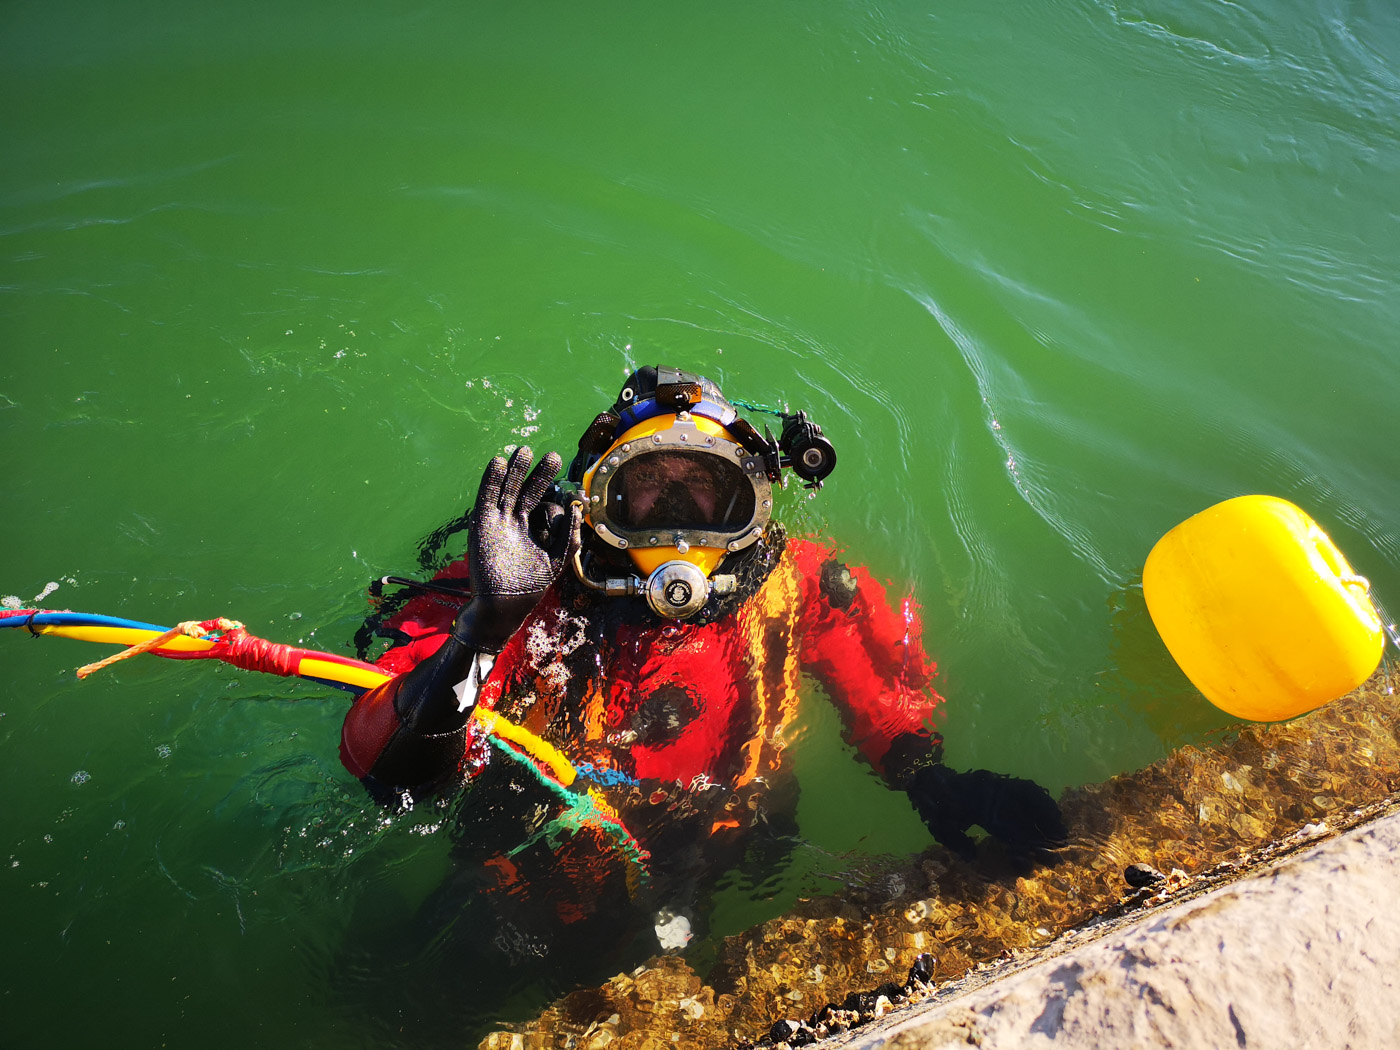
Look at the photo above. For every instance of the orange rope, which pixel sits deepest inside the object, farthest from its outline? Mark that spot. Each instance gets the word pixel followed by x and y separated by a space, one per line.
pixel 190 628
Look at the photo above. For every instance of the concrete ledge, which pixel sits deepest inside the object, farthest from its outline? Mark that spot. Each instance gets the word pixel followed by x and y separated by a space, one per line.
pixel 1303 954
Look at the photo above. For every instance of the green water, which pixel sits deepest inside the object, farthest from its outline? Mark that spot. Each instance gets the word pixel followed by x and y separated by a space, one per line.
pixel 277 279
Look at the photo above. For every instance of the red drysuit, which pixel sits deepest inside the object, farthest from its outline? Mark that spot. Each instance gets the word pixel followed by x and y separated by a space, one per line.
pixel 674 701
pixel 678 728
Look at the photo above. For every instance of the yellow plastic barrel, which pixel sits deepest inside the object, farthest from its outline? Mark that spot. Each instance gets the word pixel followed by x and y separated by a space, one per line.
pixel 1261 610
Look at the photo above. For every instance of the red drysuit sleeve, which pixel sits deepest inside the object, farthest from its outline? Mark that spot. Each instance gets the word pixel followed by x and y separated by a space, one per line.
pixel 422 624
pixel 410 733
pixel 868 654
pixel 420 753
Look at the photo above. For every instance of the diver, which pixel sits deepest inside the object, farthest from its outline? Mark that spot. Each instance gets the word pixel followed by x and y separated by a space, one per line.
pixel 648 617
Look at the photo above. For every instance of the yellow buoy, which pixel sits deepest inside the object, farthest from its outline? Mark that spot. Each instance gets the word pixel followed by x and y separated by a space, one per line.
pixel 1261 610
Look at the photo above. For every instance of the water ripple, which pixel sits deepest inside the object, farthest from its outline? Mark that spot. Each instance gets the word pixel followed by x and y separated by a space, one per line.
pixel 1023 472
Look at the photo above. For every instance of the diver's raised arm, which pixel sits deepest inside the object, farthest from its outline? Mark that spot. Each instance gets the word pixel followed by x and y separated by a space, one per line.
pixel 409 733
pixel 511 566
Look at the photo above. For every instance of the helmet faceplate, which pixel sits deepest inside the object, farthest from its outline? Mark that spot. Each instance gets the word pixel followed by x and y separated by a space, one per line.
pixel 677 487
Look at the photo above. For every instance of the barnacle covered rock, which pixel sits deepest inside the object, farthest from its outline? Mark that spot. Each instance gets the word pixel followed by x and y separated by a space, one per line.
pixel 838 961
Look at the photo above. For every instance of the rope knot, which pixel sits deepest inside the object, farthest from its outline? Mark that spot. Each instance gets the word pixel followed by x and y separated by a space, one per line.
pixel 202 629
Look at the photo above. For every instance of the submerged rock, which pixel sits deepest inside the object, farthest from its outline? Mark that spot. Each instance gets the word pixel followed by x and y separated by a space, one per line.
pixel 1141 875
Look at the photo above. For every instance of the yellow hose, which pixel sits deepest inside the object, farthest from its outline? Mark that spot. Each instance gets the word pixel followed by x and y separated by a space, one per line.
pixel 539 749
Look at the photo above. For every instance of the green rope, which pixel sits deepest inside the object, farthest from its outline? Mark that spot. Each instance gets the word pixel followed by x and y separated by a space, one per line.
pixel 579 812
pixel 752 407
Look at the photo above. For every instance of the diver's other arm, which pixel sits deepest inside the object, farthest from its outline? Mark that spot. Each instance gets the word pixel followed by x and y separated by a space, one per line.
pixel 871 659
pixel 868 654
pixel 1019 813
pixel 410 732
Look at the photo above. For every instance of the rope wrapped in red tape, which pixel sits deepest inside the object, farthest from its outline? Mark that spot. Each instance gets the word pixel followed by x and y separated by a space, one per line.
pixel 251 653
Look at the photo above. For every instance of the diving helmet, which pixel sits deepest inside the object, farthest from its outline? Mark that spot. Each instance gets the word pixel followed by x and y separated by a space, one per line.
pixel 673 478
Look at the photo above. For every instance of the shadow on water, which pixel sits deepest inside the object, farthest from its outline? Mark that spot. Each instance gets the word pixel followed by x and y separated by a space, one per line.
pixel 1147 680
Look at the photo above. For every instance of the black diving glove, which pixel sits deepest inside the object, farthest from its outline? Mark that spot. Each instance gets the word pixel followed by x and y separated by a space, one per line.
pixel 518 543
pixel 1019 813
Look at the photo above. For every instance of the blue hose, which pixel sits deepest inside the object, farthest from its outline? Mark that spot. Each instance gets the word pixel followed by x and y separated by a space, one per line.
pixel 72 619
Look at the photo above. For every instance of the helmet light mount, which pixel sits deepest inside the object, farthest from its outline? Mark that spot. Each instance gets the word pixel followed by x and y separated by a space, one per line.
pixel 802 447
pixel 806 450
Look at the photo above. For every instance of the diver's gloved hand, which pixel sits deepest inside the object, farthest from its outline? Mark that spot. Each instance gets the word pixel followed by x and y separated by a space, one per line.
pixel 556 522
pixel 1019 813
pixel 511 564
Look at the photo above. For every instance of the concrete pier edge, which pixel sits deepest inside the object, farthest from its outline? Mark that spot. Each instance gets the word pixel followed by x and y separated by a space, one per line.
pixel 1301 952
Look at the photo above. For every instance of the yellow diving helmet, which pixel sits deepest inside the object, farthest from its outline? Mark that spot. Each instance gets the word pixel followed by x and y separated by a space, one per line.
pixel 676 481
